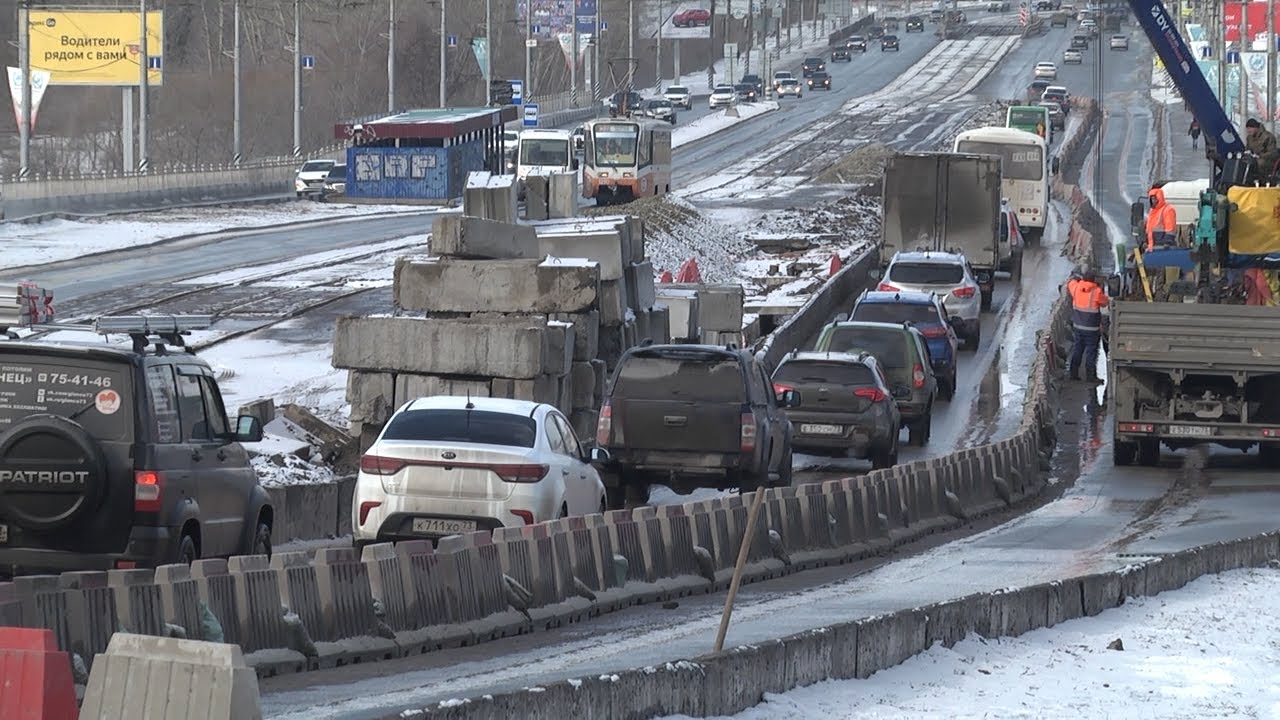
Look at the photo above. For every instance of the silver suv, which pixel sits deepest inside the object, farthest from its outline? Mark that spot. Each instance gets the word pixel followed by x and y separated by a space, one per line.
pixel 949 276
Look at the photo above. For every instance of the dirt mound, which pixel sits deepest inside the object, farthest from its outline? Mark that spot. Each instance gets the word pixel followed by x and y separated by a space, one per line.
pixel 863 165
pixel 675 231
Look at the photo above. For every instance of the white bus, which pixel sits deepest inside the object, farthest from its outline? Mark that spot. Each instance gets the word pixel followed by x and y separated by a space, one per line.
pixel 544 151
pixel 1023 169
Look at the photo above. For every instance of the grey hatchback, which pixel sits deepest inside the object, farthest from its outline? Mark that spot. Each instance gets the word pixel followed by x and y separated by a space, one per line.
pixel 844 407
pixel 903 355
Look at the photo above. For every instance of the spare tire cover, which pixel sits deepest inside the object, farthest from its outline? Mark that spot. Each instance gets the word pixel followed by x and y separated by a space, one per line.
pixel 51 472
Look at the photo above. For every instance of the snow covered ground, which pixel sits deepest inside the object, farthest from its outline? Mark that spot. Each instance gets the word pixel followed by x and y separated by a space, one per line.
pixel 715 122
pixel 38 243
pixel 1208 650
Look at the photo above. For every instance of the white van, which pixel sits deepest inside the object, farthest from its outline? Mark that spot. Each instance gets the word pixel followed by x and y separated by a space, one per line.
pixel 1184 196
pixel 544 151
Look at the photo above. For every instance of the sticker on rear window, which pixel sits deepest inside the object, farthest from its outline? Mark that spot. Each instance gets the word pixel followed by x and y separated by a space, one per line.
pixel 107 402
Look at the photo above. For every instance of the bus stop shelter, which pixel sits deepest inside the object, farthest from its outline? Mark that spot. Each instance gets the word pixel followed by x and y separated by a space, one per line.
pixel 422 155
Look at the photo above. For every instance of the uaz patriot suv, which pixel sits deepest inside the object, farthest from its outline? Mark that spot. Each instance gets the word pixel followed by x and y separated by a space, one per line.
pixel 114 456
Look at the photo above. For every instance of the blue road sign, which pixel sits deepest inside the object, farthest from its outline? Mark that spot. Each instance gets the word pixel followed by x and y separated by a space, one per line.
pixel 517 92
pixel 308 62
pixel 153 62
pixel 1233 57
pixel 604 25
pixel 531 115
pixel 453 41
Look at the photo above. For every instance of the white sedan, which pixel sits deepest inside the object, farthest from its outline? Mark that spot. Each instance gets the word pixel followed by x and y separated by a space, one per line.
pixel 1046 71
pixel 723 96
pixel 448 465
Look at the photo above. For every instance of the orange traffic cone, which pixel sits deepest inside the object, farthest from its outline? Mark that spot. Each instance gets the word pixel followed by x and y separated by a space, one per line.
pixel 38 684
pixel 835 264
pixel 666 277
pixel 689 272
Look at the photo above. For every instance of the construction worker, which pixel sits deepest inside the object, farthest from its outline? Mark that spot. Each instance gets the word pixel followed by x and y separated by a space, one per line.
pixel 1263 145
pixel 1087 301
pixel 1040 129
pixel 1162 220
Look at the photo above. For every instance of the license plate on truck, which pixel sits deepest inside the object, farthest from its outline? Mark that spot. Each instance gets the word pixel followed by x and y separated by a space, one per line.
pixel 441 526
pixel 1191 430
pixel 822 429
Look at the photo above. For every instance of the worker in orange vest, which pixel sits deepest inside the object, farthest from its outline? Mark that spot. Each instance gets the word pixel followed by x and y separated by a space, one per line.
pixel 1087 300
pixel 1040 129
pixel 1162 221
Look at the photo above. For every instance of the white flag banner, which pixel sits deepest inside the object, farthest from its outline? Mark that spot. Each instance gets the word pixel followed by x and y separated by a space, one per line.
pixel 566 46
pixel 1255 68
pixel 39 83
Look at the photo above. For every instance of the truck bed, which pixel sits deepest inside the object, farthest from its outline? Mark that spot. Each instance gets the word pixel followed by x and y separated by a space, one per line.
pixel 1193 335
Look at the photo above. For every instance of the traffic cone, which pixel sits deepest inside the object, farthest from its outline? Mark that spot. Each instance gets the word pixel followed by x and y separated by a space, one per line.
pixel 835 265
pixel 689 272
pixel 666 277
pixel 37 676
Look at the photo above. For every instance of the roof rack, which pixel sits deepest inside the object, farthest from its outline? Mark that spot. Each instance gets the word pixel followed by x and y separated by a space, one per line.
pixel 141 328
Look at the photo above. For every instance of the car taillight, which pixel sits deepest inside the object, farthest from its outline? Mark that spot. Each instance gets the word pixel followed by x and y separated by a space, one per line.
pixel 520 473
pixel 604 426
pixel 148 486
pixel 378 465
pixel 779 388
pixel 964 292
pixel 875 395
pixel 917 376
pixel 748 432
pixel 886 287
pixel 934 331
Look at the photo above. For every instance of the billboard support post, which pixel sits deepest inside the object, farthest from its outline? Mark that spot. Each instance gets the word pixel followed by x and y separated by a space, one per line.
pixel 573 62
pixel 24 60
pixel 126 126
pixel 297 79
pixel 144 65
pixel 236 148
pixel 391 58
pixel 657 70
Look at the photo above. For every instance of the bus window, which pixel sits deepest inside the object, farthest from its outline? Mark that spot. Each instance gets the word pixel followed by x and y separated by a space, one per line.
pixel 613 145
pixel 1018 162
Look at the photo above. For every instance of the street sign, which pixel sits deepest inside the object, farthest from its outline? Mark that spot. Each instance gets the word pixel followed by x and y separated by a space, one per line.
pixel 308 62
pixel 531 115
pixel 153 62
pixel 453 41
pixel 517 92
pixel 531 43
pixel 604 25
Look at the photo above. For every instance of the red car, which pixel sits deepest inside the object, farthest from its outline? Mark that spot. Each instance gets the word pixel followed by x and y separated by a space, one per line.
pixel 691 18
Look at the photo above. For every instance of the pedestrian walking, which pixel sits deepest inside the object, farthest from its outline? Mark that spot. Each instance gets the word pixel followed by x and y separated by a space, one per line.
pixel 1194 132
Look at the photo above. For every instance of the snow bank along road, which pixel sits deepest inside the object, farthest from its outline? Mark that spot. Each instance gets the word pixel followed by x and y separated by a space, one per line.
pixel 1101 523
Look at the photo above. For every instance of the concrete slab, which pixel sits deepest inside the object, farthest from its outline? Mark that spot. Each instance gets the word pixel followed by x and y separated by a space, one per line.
pixel 504 286
pixel 683 311
pixel 473 237
pixel 513 348
pixel 640 286
pixel 605 247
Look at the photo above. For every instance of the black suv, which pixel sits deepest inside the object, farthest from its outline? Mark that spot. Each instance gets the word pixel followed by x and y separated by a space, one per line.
pixel 755 81
pixel 812 65
pixel 841 55
pixel 692 416
pixel 889 42
pixel 915 24
pixel 114 456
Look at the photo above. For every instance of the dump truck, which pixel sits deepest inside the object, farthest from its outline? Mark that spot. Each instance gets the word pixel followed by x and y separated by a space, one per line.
pixel 1194 340
pixel 944 202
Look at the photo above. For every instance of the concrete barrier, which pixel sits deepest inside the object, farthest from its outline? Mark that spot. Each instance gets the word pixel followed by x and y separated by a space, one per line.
pixel 170 679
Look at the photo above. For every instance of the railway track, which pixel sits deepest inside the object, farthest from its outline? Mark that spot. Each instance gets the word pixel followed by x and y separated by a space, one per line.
pixel 256 298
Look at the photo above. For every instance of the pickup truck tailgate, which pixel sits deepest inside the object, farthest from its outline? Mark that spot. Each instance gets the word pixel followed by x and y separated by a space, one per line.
pixel 1195 335
pixel 690 426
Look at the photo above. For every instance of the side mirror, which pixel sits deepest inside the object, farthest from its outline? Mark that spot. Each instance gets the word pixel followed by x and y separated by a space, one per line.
pixel 875 273
pixel 789 398
pixel 248 429
pixel 1055 166
pixel 574 164
pixel 1137 215
pixel 599 455
pixel 840 317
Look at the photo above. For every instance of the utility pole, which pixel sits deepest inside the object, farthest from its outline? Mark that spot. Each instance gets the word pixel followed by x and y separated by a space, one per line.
pixel 662 15
pixel 236 149
pixel 488 52
pixel 24 62
pixel 1271 66
pixel 143 89
pixel 391 57
pixel 443 40
pixel 573 62
pixel 528 48
pixel 297 79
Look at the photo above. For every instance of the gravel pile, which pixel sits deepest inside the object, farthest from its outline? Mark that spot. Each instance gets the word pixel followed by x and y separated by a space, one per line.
pixel 675 231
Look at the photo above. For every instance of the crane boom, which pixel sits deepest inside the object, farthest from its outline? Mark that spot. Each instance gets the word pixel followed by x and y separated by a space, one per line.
pixel 1181 65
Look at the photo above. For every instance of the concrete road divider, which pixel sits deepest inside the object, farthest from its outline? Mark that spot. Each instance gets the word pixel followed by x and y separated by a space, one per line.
pixel 35 676
pixel 170 679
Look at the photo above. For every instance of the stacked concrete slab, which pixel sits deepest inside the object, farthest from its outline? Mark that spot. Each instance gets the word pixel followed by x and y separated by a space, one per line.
pixel 551 195
pixel 704 312
pixel 504 310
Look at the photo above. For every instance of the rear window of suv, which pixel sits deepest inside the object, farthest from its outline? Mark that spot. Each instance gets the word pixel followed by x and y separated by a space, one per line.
pixel 822 371
pixel 463 426
pixel 666 378
pixel 887 346
pixel 896 313
pixel 926 273
pixel 96 394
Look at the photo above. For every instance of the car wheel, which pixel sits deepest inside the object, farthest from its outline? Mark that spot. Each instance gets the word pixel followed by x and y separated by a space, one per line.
pixel 784 468
pixel 972 342
pixel 918 432
pixel 882 458
pixel 946 389
pixel 261 540
pixel 986 300
pixel 1123 453
pixel 1149 452
pixel 187 550
pixel 1015 272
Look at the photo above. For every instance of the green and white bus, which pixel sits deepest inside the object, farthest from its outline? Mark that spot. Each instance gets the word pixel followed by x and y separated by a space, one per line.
pixel 1030 118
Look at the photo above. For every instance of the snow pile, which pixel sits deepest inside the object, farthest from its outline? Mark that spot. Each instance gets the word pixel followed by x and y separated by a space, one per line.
pixel 38 243
pixel 1197 652
pixel 675 231
pixel 281 470
pixel 716 121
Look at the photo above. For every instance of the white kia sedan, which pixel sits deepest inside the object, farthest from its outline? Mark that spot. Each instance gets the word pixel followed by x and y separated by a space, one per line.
pixel 450 465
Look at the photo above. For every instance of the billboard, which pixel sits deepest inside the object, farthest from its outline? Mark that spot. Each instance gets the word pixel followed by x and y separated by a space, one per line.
pixel 687 20
pixel 95 47
pixel 552 18
pixel 1256 25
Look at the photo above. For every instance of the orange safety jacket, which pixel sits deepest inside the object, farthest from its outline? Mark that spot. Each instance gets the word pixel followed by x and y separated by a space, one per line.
pixel 1087 301
pixel 1162 222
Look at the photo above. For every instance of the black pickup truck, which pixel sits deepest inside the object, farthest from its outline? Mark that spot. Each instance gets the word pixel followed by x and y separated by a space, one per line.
pixel 692 416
